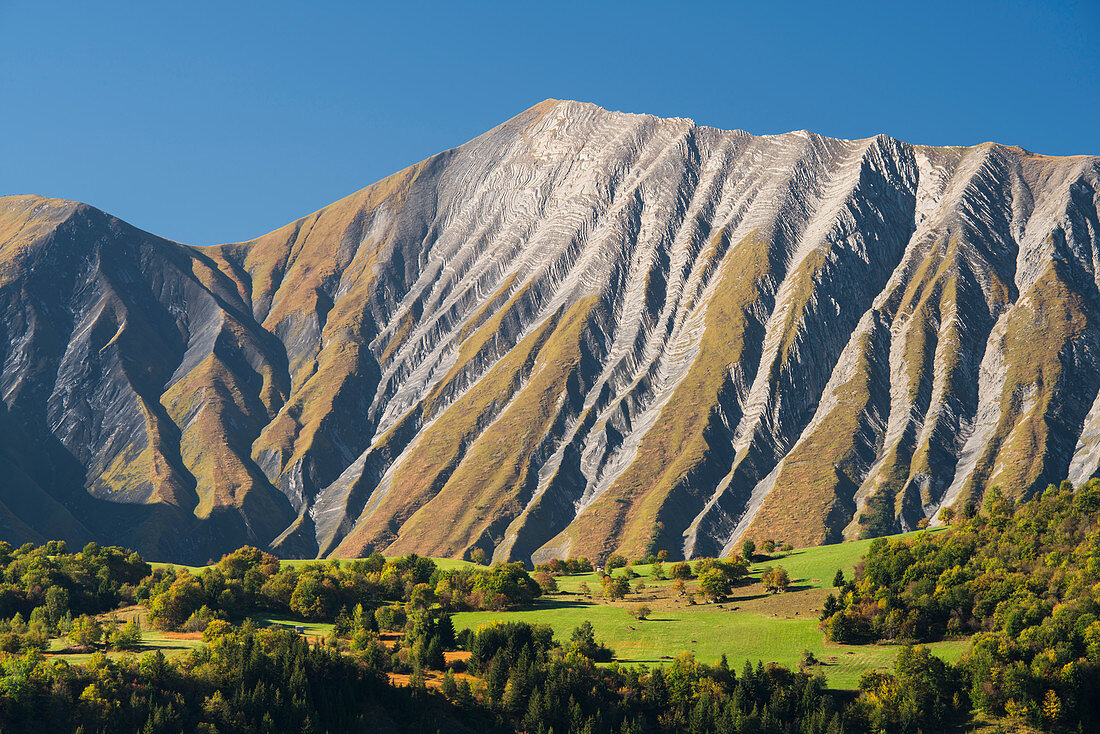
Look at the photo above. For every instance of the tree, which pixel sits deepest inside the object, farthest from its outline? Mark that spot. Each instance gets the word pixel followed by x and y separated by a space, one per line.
pixel 838 580
pixel 776 579
pixel 714 584
pixel 642 612
pixel 508 585
pixel 546 582
pixel 583 642
pixel 448 687
pixel 679 570
pixel 127 638
pixel 1052 707
pixel 923 693
pixel 616 587
pixel 390 617
pixel 314 597
pixel 748 548
pixel 217 628
pixel 583 639
pixel 57 604
pixel 86 631
pixel 769 546
pixel 421 598
pixel 615 560
pixel 173 607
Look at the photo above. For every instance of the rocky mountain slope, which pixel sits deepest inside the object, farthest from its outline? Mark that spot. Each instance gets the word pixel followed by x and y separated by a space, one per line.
pixel 581 332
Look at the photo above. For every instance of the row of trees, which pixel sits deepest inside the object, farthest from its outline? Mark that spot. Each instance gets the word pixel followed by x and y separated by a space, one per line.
pixel 249 580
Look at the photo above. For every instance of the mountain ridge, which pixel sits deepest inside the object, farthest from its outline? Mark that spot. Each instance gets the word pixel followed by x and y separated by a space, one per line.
pixel 581 332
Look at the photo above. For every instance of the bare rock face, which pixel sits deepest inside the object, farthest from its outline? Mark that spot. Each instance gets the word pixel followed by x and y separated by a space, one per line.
pixel 582 332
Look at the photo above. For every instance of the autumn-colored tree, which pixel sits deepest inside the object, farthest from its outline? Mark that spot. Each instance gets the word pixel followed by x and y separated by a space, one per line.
pixel 776 579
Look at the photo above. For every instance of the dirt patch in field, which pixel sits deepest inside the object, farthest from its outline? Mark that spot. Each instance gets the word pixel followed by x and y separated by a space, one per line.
pixel 432 678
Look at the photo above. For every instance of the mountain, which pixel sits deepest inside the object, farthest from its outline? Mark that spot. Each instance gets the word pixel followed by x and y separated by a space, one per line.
pixel 582 332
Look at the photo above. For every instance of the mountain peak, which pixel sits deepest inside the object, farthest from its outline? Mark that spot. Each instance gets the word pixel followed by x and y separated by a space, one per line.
pixel 582 332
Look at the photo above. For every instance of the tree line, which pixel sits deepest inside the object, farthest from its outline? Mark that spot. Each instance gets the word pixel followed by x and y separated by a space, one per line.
pixel 1023 578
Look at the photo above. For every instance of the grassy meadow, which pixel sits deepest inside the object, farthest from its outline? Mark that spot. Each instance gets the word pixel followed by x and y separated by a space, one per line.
pixel 750 626
pixel 171 644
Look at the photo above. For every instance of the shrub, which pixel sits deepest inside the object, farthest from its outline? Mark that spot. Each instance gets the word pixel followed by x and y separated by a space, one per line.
pixel 127 638
pixel 679 570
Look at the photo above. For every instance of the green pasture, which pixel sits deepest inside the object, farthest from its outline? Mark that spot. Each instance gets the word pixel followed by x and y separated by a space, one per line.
pixel 151 640
pixel 709 633
pixel 309 629
pixel 750 626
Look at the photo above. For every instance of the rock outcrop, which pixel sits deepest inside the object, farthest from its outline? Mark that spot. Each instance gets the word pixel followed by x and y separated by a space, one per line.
pixel 582 332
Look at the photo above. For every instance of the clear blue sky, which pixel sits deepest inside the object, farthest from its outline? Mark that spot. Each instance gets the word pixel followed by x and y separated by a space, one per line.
pixel 209 122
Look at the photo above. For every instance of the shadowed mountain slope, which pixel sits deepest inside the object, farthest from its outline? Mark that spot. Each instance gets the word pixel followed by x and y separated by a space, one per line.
pixel 582 332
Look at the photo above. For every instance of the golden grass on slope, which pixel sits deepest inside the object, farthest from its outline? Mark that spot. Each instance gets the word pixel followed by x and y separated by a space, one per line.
pixel 290 270
pixel 819 462
pixel 294 261
pixel 493 479
pixel 1039 328
pixel 626 516
pixel 24 220
pixel 202 403
pixel 441 445
pixel 928 298
pixel 477 336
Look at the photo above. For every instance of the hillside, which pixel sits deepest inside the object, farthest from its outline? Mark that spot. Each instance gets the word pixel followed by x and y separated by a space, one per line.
pixel 582 332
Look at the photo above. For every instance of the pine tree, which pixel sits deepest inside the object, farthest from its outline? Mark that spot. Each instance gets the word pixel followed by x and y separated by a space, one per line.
pixel 497 678
pixel 448 687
